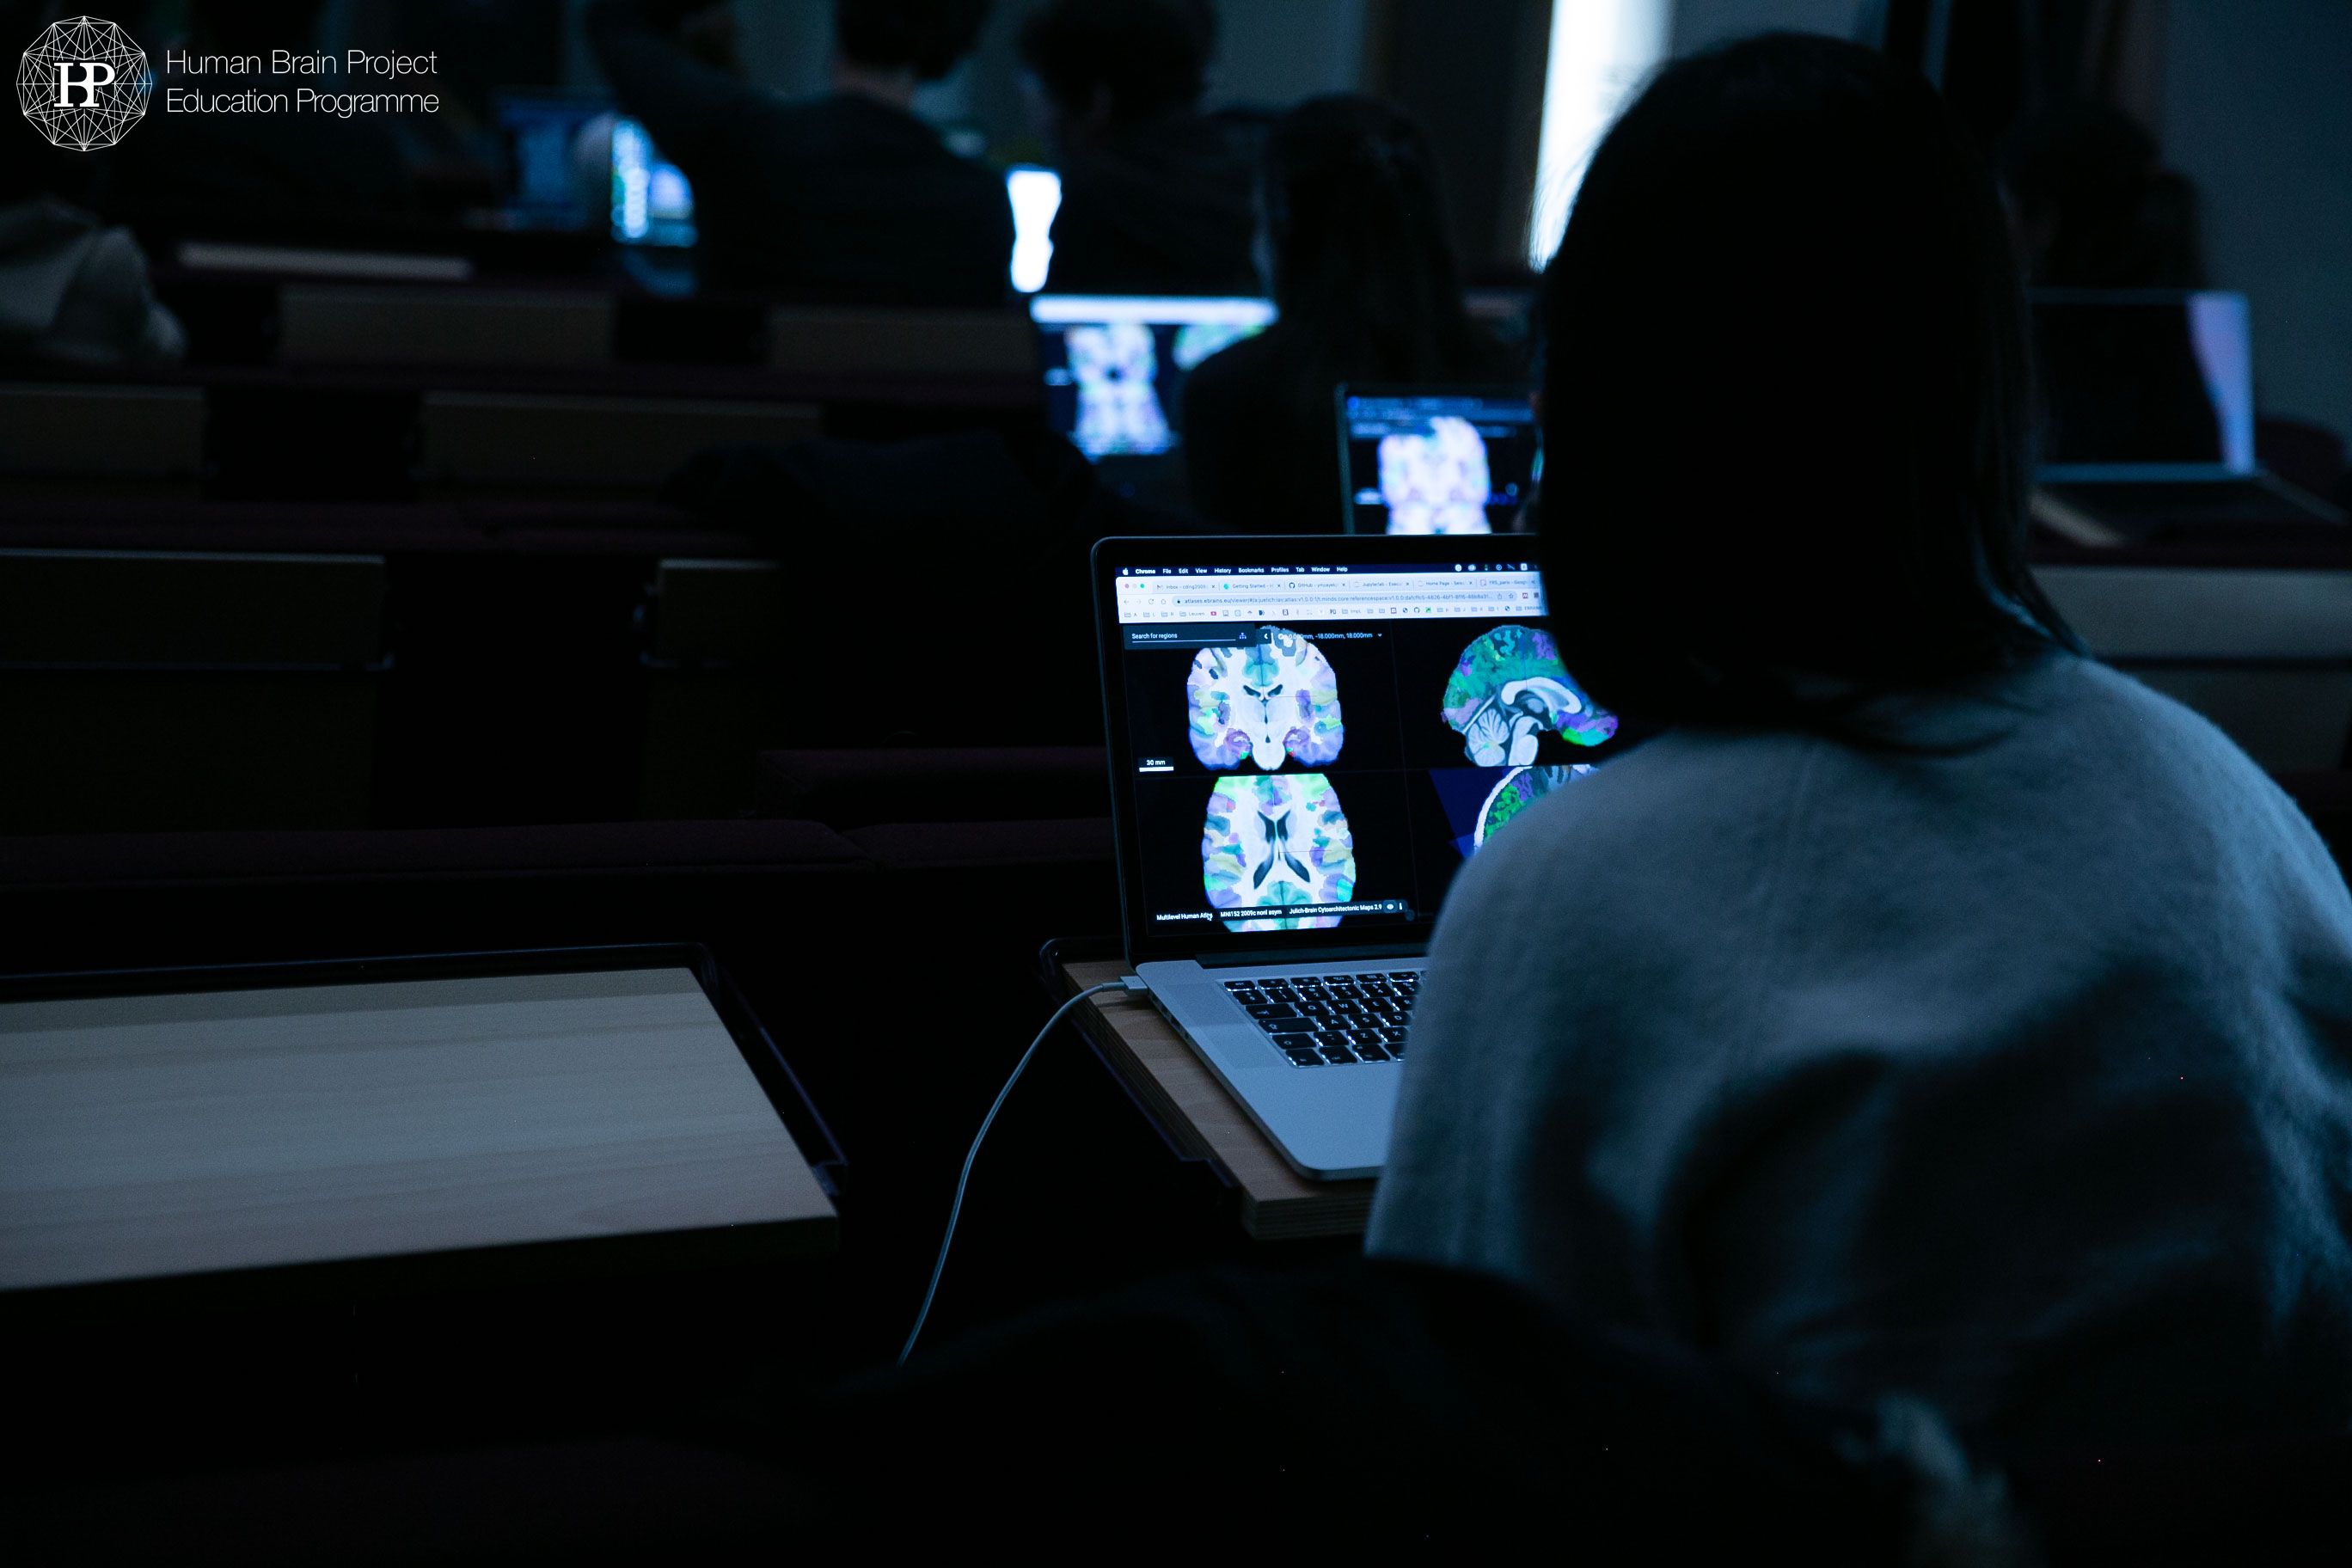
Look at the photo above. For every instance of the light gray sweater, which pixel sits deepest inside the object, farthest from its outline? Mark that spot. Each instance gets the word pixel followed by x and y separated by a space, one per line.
pixel 2016 1077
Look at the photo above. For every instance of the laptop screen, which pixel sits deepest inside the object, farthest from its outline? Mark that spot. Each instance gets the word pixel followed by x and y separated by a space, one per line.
pixel 543 135
pixel 1309 737
pixel 2145 385
pixel 1115 365
pixel 651 202
pixel 1436 460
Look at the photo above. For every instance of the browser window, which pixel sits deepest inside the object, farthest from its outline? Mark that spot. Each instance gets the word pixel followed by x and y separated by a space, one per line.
pixel 1316 745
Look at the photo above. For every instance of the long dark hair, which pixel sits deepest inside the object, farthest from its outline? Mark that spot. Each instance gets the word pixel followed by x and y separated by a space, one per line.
pixel 1363 269
pixel 1786 397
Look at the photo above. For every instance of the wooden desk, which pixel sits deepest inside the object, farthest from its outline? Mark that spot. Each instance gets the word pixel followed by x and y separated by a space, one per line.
pixel 1163 1072
pixel 605 1117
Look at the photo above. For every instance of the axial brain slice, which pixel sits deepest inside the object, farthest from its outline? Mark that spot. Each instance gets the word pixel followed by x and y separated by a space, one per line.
pixel 1275 695
pixel 1437 483
pixel 1508 688
pixel 1272 841
pixel 1114 366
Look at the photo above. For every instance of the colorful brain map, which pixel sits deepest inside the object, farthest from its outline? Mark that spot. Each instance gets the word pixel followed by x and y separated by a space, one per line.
pixel 1274 841
pixel 1437 483
pixel 1508 690
pixel 1116 366
pixel 1273 696
pixel 1518 790
pixel 1271 839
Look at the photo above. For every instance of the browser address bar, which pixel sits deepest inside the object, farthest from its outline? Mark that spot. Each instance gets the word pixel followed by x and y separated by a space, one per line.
pixel 1330 600
pixel 1197 606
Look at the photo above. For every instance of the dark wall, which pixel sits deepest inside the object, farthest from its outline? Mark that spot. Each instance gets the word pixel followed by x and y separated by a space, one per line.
pixel 1478 90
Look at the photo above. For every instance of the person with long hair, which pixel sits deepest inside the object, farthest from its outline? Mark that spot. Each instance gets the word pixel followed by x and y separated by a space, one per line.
pixel 1362 271
pixel 1927 1010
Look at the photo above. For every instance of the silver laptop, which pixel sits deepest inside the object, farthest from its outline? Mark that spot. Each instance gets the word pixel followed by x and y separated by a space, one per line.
pixel 1307 736
pixel 2149 417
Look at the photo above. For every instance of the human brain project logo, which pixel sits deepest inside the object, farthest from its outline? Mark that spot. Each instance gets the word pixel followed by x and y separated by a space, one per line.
pixel 84 83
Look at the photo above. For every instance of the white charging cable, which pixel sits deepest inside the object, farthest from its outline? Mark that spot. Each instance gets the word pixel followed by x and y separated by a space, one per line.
pixel 1131 983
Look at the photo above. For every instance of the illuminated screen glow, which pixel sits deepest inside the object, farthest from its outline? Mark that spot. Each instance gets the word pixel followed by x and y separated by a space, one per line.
pixel 1600 51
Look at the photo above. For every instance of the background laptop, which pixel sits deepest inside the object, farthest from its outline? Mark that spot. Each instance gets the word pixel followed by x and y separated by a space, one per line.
pixel 551 183
pixel 1436 459
pixel 575 163
pixel 2148 418
pixel 1115 365
pixel 1307 736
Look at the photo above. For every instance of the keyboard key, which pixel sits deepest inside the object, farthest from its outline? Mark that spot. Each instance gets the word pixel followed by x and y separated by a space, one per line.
pixel 1370 1052
pixel 1337 1055
pixel 1305 1058
pixel 1272 1010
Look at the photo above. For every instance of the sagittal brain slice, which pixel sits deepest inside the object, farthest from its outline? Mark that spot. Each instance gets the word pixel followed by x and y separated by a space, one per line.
pixel 1518 790
pixel 1116 366
pixel 84 83
pixel 1275 841
pixel 1510 689
pixel 1437 483
pixel 1275 695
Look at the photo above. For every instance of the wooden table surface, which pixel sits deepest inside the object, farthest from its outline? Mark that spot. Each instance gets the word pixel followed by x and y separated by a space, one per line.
pixel 1276 1202
pixel 171 1135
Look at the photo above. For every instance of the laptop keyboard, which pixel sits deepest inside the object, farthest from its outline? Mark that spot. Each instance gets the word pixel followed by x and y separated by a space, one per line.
pixel 1332 1020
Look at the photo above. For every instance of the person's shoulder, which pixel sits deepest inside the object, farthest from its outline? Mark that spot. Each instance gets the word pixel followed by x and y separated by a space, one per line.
pixel 2141 738
pixel 2175 764
pixel 1663 828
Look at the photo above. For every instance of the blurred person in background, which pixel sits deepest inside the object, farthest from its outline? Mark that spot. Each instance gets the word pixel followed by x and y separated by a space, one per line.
pixel 2096 208
pixel 1355 241
pixel 1155 195
pixel 72 290
pixel 845 198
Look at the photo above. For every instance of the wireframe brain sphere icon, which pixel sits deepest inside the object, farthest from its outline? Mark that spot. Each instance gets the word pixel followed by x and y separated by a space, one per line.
pixel 84 83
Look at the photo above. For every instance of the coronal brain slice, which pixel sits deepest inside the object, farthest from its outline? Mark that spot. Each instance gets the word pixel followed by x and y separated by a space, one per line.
pixel 1518 790
pixel 1114 366
pixel 1437 483
pixel 1276 695
pixel 1275 840
pixel 1508 689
